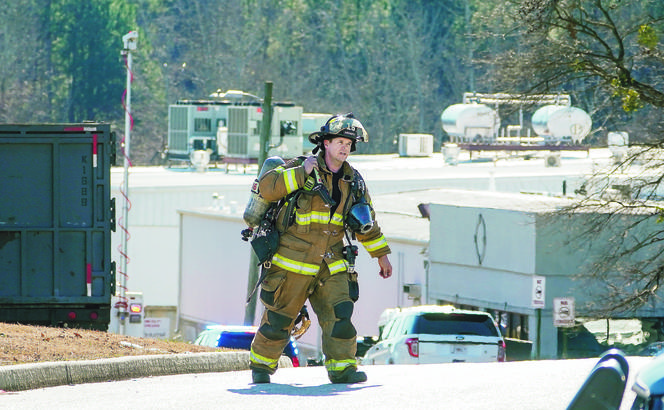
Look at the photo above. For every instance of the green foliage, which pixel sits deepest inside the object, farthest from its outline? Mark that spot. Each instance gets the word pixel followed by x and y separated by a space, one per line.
pixel 87 37
pixel 630 97
pixel 648 37
pixel 396 63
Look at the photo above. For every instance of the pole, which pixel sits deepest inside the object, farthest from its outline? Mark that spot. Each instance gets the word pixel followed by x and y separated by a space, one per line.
pixel 250 308
pixel 129 40
pixel 267 124
pixel 539 334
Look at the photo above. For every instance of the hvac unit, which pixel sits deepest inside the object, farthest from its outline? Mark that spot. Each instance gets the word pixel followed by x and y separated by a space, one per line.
pixel 552 160
pixel 415 145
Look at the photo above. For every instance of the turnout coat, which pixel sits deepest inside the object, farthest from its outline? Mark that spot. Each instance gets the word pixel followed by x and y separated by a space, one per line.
pixel 310 233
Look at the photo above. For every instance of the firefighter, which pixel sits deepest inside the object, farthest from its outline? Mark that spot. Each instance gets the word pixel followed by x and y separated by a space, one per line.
pixel 312 260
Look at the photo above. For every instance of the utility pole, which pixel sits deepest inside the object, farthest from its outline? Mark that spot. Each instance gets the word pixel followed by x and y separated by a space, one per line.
pixel 250 309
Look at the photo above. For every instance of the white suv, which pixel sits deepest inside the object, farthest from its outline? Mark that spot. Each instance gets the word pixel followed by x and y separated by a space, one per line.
pixel 437 334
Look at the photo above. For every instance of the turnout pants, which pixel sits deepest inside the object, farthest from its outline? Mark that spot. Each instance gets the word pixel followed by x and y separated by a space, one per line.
pixel 283 294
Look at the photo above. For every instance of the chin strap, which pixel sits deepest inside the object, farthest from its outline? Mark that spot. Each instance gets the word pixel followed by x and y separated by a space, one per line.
pixel 304 322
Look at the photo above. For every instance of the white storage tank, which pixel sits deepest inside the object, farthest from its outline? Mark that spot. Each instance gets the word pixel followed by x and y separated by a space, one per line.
pixel 471 122
pixel 561 123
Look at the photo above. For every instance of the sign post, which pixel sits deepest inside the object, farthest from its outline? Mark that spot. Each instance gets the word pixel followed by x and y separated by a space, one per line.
pixel 538 302
pixel 563 316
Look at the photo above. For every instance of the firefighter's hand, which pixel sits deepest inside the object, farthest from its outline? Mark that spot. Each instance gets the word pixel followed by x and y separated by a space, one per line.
pixel 385 266
pixel 309 164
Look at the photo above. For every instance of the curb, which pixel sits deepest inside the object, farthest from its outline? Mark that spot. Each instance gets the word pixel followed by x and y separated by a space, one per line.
pixel 37 375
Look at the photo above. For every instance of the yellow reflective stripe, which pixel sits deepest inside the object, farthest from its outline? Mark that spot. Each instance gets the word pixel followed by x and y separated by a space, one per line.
pixel 338 365
pixel 290 180
pixel 375 244
pixel 295 266
pixel 302 219
pixel 314 216
pixel 338 266
pixel 337 219
pixel 320 217
pixel 256 358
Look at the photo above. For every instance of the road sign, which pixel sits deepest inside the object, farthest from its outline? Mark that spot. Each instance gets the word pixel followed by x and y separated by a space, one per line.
pixel 563 312
pixel 538 292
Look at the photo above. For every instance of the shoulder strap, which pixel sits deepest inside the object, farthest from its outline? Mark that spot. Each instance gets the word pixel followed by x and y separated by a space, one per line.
pixel 358 186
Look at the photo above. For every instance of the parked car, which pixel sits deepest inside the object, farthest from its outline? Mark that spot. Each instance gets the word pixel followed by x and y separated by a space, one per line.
pixel 239 337
pixel 580 343
pixel 653 349
pixel 649 386
pixel 364 343
pixel 437 334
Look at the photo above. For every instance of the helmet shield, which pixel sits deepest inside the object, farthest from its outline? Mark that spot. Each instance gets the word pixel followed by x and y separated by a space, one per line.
pixel 347 127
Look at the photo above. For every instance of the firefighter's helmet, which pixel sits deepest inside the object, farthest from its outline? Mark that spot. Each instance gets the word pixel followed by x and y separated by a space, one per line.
pixel 345 126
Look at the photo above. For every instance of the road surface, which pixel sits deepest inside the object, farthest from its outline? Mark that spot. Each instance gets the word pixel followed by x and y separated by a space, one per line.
pixel 545 385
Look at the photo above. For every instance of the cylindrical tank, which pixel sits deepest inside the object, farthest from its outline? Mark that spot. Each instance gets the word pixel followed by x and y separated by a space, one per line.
pixel 470 121
pixel 561 122
pixel 257 206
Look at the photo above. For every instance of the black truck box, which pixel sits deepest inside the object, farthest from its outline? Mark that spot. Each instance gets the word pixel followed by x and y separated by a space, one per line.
pixel 56 218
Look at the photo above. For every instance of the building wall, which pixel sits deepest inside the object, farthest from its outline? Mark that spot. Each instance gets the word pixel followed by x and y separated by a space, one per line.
pixel 214 271
pixel 520 244
pixel 153 226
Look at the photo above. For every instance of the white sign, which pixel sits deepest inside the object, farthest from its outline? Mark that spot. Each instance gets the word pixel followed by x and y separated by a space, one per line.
pixel 157 327
pixel 563 312
pixel 538 292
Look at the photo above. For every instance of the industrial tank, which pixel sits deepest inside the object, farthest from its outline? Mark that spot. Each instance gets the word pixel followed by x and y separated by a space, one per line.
pixel 561 123
pixel 471 122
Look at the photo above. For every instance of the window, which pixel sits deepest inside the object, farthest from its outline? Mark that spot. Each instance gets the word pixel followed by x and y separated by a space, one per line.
pixel 455 324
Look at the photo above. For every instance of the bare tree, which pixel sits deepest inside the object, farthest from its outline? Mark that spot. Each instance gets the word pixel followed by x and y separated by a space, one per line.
pixel 617 219
pixel 613 42
pixel 607 54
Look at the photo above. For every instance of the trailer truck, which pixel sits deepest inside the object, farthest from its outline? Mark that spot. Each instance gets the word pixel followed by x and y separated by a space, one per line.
pixel 56 218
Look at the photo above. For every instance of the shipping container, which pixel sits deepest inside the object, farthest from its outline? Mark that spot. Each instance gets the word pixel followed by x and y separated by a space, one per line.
pixel 56 218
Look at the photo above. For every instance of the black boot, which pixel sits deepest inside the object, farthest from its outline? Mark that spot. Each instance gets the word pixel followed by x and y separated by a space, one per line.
pixel 259 377
pixel 347 376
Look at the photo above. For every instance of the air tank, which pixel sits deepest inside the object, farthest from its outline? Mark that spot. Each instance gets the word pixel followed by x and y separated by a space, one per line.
pixel 560 122
pixel 470 122
pixel 257 206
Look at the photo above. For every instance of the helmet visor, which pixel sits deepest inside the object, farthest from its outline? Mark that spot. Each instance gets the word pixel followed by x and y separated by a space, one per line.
pixel 348 128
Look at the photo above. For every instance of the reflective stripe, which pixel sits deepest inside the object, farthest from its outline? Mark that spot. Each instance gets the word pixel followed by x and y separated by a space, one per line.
pixel 258 359
pixel 290 180
pixel 295 266
pixel 337 219
pixel 375 244
pixel 320 217
pixel 302 219
pixel 338 266
pixel 339 365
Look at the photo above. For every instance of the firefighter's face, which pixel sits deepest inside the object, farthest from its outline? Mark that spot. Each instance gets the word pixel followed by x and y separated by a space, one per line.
pixel 338 149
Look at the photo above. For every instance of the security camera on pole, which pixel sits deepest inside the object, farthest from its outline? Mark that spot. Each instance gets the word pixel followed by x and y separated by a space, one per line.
pixel 129 40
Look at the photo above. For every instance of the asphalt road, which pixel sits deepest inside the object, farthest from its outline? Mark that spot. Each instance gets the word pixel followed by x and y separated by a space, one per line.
pixel 545 385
